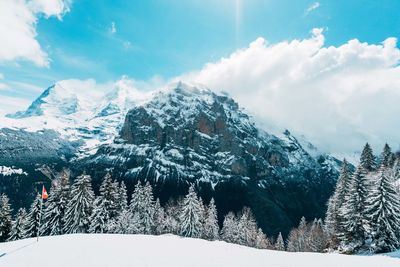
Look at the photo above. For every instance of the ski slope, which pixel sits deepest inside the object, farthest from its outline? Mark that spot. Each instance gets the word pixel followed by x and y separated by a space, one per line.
pixel 163 251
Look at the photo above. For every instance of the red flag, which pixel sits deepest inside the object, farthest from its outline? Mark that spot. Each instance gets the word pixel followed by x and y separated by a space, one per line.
pixel 44 193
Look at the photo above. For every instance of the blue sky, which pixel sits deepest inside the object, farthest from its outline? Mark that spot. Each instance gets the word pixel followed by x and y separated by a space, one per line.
pixel 328 70
pixel 169 37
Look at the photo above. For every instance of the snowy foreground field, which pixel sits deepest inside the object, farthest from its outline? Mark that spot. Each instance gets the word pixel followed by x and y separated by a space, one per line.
pixel 164 251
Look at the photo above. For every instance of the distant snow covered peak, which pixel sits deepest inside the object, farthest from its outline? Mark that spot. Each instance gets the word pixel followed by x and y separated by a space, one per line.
pixel 64 98
pixel 79 110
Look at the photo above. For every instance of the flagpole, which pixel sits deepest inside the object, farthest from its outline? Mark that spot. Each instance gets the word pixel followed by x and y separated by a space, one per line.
pixel 40 215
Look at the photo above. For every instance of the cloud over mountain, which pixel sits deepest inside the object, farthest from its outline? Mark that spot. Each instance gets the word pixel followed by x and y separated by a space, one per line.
pixel 337 96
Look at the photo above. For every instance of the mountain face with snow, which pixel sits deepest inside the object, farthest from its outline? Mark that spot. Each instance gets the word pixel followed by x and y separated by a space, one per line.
pixel 172 137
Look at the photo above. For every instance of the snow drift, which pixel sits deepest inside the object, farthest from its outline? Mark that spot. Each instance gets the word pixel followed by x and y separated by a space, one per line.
pixel 140 250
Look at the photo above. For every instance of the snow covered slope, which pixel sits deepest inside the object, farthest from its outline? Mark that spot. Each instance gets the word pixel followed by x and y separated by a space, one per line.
pixel 164 251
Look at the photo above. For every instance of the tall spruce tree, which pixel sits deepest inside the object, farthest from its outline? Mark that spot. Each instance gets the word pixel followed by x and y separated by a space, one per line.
pixel 394 175
pixel 106 206
pixel 211 228
pixel 384 214
pixel 334 219
pixel 123 224
pixel 298 237
pixel 247 228
pixel 148 209
pixel 262 241
pixel 5 218
pixel 34 218
pixel 230 228
pixel 18 230
pixel 172 217
pixel 100 217
pixel 80 206
pixel 279 243
pixel 367 159
pixel 56 206
pixel 191 215
pixel 387 157
pixel 317 238
pixel 122 197
pixel 355 222
pixel 160 226
pixel 109 196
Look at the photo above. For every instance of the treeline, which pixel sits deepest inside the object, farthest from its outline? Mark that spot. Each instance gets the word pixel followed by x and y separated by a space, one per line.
pixel 76 209
pixel 364 211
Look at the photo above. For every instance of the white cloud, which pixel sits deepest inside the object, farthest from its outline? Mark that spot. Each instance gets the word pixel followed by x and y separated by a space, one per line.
pixel 338 97
pixel 2 85
pixel 113 28
pixel 18 20
pixel 10 104
pixel 311 8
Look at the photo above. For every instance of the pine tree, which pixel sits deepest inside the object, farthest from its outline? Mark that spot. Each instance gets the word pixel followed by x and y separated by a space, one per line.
pixel 106 206
pixel 34 217
pixel 298 237
pixel 261 241
pixel 100 217
pixel 230 228
pixel 172 217
pixel 160 226
pixel 317 238
pixel 247 228
pixel 5 218
pixel 123 224
pixel 148 209
pixel 56 206
pixel 191 215
pixel 394 175
pixel 384 214
pixel 19 226
pixel 387 157
pixel 355 222
pixel 334 219
pixel 109 196
pixel 211 228
pixel 280 244
pixel 80 206
pixel 367 159
pixel 122 197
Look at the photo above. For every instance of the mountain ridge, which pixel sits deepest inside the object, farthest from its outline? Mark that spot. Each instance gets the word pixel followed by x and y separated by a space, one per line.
pixel 174 137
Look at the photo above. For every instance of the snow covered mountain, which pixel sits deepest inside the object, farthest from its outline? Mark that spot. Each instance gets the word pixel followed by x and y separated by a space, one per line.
pixel 79 112
pixel 167 251
pixel 171 137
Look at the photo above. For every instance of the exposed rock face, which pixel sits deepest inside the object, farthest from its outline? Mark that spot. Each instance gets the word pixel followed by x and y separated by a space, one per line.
pixel 190 135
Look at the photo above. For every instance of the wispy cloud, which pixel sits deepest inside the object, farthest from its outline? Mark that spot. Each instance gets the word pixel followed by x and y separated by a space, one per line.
pixel 311 8
pixel 26 87
pixel 9 104
pixel 2 85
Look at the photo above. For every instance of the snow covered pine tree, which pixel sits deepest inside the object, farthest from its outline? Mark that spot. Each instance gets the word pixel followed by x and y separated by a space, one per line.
pixel 5 218
pixel 191 216
pixel 80 206
pixel 383 212
pixel 18 230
